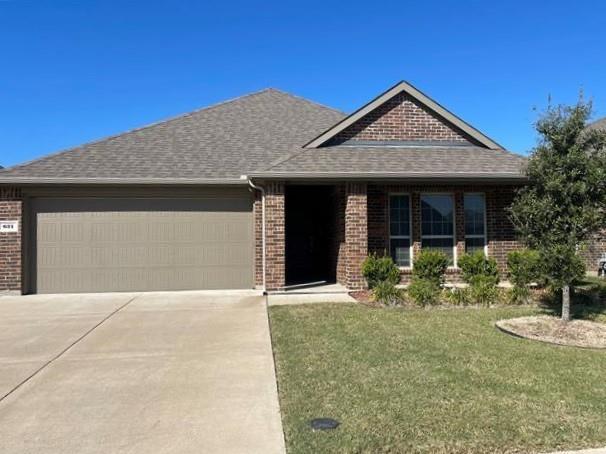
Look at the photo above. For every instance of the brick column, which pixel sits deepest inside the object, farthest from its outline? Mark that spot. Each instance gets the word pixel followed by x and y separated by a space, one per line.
pixel 275 245
pixel 459 206
pixel 11 209
pixel 356 234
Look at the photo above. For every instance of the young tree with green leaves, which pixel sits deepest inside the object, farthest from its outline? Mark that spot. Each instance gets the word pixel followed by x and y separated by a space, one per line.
pixel 563 204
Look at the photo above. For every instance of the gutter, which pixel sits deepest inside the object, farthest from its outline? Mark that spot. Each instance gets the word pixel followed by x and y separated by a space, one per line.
pixel 373 176
pixel 125 181
pixel 263 254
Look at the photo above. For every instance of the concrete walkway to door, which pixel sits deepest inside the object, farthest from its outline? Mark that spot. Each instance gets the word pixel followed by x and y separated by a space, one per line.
pixel 182 372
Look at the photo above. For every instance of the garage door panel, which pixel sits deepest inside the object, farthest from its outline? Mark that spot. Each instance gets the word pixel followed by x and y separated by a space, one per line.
pixel 126 245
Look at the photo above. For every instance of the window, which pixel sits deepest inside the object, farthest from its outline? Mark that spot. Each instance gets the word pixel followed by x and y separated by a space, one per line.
pixel 475 223
pixel 399 229
pixel 437 224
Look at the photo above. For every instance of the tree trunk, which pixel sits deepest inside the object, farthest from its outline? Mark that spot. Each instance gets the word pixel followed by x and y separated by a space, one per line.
pixel 566 303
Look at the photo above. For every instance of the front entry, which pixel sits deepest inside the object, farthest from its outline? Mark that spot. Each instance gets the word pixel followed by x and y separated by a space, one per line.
pixel 310 234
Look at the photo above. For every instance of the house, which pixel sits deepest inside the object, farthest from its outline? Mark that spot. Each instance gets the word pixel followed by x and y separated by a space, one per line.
pixel 266 190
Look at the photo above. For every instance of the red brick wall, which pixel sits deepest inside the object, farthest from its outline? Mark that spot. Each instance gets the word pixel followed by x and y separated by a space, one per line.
pixel 593 252
pixel 275 273
pixel 258 221
pixel 501 237
pixel 11 207
pixel 401 119
pixel 355 249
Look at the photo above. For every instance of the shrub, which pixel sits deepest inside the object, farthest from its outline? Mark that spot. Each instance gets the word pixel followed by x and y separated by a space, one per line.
pixel 477 264
pixel 424 292
pixel 430 266
pixel 518 295
pixel 483 290
pixel 524 267
pixel 458 296
pixel 387 293
pixel 377 269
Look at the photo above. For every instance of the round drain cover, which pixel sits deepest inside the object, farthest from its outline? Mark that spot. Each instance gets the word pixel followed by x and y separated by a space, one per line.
pixel 324 424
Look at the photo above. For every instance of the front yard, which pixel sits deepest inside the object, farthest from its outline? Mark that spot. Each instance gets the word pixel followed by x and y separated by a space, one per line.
pixel 431 381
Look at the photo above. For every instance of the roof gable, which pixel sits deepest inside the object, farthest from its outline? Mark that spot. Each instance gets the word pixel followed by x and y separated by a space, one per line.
pixel 403 114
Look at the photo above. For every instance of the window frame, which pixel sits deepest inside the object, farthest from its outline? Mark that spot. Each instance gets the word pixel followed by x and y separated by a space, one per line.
pixel 401 237
pixel 485 236
pixel 454 225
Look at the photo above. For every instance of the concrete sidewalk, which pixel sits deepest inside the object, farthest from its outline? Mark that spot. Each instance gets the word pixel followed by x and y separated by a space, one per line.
pixel 186 372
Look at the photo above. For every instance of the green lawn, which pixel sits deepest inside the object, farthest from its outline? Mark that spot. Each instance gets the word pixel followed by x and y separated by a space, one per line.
pixel 431 381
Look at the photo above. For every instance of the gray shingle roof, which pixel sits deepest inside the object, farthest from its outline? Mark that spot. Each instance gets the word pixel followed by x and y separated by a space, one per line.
pixel 219 142
pixel 404 161
pixel 260 134
pixel 598 124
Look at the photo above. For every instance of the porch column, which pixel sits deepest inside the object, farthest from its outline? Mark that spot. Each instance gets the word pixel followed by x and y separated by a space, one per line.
pixel 356 234
pixel 275 273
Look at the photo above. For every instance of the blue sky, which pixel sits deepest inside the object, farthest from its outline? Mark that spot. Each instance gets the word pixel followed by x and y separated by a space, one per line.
pixel 75 71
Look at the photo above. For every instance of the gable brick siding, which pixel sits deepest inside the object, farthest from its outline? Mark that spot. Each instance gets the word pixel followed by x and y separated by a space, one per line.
pixel 11 209
pixel 401 119
pixel 500 232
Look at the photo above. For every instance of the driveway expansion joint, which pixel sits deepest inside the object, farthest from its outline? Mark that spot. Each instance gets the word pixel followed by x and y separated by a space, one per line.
pixel 66 349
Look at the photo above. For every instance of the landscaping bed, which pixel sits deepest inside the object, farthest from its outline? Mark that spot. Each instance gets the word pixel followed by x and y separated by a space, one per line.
pixel 576 333
pixel 427 381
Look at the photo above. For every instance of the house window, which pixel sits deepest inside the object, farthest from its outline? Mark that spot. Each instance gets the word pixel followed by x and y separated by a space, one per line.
pixel 399 229
pixel 437 224
pixel 475 223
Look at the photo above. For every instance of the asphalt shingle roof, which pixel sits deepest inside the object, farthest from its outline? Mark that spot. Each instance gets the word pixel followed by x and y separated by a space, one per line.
pixel 259 134
pixel 406 161
pixel 219 142
pixel 598 124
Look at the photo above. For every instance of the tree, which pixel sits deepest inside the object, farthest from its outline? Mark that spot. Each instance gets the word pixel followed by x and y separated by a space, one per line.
pixel 562 206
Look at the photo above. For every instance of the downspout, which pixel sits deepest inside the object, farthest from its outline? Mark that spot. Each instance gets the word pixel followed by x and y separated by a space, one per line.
pixel 263 260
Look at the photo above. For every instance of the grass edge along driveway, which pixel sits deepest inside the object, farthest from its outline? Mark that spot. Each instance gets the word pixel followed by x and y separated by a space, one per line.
pixel 431 381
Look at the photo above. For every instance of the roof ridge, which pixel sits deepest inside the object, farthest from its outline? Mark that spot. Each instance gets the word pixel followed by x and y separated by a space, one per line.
pixel 307 100
pixel 134 130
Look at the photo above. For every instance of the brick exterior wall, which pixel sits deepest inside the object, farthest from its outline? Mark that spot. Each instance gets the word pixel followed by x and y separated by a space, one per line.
pixel 275 245
pixel 500 232
pixel 594 251
pixel 354 245
pixel 11 209
pixel 258 233
pixel 401 119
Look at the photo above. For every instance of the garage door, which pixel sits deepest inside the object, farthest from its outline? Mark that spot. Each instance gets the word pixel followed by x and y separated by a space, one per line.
pixel 120 244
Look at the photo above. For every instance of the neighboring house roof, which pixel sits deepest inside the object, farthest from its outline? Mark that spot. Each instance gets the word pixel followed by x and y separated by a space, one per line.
pixel 598 124
pixel 418 96
pixel 214 144
pixel 270 134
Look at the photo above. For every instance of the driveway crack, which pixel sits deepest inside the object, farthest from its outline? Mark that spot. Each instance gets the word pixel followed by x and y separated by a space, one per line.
pixel 69 347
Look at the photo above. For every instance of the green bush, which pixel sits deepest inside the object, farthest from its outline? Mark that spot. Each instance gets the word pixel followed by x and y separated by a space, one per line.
pixel 387 293
pixel 377 269
pixel 483 290
pixel 423 292
pixel 518 295
pixel 458 296
pixel 477 264
pixel 524 267
pixel 430 266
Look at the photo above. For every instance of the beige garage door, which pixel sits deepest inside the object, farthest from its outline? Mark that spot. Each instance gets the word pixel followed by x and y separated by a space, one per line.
pixel 118 244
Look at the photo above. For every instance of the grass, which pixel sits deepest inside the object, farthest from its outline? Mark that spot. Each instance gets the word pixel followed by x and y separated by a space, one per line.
pixel 431 381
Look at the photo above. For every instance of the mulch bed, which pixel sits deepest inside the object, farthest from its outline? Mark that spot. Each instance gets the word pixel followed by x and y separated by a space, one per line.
pixel 575 333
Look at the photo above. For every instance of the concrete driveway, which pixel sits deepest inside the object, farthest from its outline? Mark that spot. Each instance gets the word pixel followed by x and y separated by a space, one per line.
pixel 137 373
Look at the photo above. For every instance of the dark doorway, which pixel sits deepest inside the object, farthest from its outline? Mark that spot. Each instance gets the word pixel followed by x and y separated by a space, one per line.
pixel 310 232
